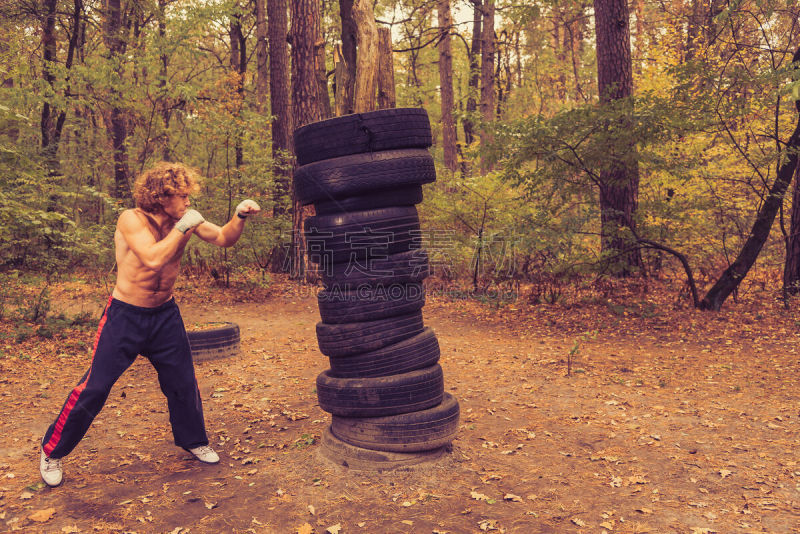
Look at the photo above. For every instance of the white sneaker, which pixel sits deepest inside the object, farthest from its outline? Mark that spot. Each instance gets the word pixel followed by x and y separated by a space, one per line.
pixel 205 454
pixel 51 471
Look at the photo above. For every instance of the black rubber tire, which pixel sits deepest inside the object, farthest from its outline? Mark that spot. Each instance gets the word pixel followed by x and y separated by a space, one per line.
pixel 361 235
pixel 346 455
pixel 401 268
pixel 214 343
pixel 409 432
pixel 360 174
pixel 381 396
pixel 408 355
pixel 402 196
pixel 336 340
pixel 369 303
pixel 385 129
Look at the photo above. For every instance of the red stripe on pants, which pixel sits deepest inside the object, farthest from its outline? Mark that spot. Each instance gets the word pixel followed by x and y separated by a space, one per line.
pixel 76 392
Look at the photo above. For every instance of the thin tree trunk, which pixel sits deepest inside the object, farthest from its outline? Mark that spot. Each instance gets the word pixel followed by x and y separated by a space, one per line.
pixel 559 47
pixel 619 188
pixel 280 105
pixel 346 82
pixel 52 118
pixel 576 32
pixel 386 92
pixel 262 56
pixel 12 129
pixel 474 73
pixel 487 75
pixel 305 18
pixel 446 86
pixel 116 44
pixel 366 63
pixel 239 66
pixel 166 111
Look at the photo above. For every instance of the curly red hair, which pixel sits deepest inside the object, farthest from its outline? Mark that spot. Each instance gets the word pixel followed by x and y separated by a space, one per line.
pixel 163 179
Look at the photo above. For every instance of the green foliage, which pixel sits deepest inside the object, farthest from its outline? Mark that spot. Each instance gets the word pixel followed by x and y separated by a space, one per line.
pixel 706 130
pixel 37 229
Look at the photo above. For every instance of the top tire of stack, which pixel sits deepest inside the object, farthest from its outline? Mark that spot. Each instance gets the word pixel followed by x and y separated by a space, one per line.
pixel 385 129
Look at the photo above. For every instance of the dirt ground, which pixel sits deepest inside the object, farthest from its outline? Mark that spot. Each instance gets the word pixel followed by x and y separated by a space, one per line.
pixel 673 421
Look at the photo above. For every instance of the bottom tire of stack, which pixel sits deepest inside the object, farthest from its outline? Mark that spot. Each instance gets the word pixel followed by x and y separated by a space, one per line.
pixel 418 431
pixel 354 457
pixel 405 413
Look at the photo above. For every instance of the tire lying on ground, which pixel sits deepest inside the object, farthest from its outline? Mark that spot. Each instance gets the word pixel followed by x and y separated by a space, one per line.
pixel 361 235
pixel 214 343
pixel 381 396
pixel 407 267
pixel 402 196
pixel 362 174
pixel 354 457
pixel 345 339
pixel 385 129
pixel 409 432
pixel 369 303
pixel 408 355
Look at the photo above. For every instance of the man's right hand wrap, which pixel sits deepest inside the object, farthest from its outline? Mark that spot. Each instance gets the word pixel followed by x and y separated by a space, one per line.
pixel 189 220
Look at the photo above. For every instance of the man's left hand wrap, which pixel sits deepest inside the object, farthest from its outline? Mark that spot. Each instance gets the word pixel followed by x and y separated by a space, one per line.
pixel 247 207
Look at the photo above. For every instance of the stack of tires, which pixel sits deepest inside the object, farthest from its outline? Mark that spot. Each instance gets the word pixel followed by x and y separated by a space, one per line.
pixel 385 389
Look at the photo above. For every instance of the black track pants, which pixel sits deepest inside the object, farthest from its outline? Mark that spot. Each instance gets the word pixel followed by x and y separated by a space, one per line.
pixel 124 332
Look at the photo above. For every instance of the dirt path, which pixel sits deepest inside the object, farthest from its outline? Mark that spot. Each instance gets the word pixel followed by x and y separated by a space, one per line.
pixel 654 432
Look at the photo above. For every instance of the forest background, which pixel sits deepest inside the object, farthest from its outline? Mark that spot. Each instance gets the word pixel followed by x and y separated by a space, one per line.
pixel 576 143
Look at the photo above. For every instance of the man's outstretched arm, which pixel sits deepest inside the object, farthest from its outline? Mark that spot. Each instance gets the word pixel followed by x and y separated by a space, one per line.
pixel 228 235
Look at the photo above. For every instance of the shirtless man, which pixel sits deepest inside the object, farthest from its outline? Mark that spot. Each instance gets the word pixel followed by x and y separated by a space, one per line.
pixel 141 316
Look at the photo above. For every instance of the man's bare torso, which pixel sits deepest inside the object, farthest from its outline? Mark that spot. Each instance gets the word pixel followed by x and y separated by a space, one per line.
pixel 136 283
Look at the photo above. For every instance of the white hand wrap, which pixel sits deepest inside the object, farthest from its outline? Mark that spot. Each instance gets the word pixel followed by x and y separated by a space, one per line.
pixel 247 207
pixel 189 220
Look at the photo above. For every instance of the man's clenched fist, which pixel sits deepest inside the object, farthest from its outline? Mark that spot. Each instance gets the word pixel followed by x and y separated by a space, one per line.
pixel 247 207
pixel 189 220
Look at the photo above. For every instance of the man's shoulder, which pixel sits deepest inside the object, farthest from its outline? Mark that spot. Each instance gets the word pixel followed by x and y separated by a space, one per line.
pixel 133 217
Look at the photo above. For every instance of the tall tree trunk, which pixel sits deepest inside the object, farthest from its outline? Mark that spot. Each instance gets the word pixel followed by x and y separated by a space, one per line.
pixel 487 75
pixel 576 32
pixel 474 73
pixel 446 86
pixel 305 18
pixel 166 107
pixel 346 82
pixel 238 66
pixel 619 187
pixel 12 129
pixel 559 47
pixel 366 63
pixel 116 42
pixel 386 92
pixel 52 118
pixel 262 56
pixel 280 105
